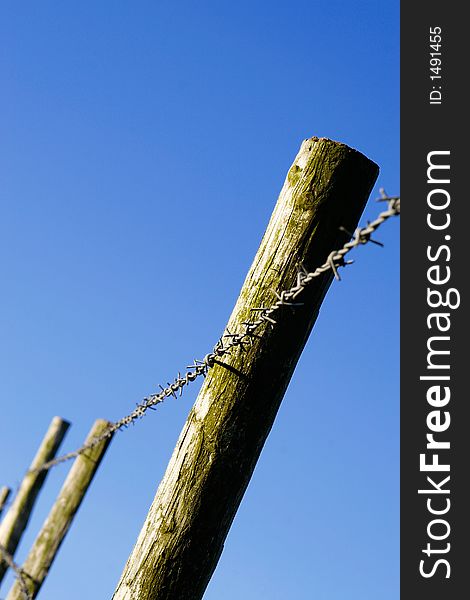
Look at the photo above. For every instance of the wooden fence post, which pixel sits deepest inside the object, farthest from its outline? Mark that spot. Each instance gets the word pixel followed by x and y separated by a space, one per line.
pixel 16 518
pixel 183 536
pixel 54 530
pixel 4 495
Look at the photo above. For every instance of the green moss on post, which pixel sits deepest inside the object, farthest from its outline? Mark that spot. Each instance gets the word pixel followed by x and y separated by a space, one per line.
pixel 183 536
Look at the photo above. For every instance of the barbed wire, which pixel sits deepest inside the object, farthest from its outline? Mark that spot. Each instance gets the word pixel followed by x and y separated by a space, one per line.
pixel 17 570
pixel 288 297
pixel 334 261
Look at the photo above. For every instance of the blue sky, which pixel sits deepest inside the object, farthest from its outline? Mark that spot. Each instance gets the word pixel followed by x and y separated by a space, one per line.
pixel 143 146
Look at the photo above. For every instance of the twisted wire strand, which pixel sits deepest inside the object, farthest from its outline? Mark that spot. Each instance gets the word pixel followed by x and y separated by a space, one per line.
pixel 334 261
pixel 17 570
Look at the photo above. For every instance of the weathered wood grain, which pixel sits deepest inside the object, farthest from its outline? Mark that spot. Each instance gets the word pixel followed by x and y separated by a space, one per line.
pixel 183 535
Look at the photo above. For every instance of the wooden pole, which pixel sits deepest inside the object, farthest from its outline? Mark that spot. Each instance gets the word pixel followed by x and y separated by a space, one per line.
pixel 183 535
pixel 16 519
pixel 4 495
pixel 57 524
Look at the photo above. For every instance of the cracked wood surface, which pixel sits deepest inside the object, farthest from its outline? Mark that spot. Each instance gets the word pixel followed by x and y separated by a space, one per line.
pixel 183 535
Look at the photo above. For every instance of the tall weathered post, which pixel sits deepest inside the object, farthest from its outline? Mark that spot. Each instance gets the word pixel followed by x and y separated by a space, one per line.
pixel 184 532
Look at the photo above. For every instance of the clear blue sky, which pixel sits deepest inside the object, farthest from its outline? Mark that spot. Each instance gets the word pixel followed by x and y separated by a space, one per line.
pixel 132 135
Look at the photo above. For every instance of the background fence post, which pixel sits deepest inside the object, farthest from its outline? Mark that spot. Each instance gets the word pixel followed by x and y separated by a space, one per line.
pixel 16 518
pixel 183 535
pixel 54 530
pixel 4 495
